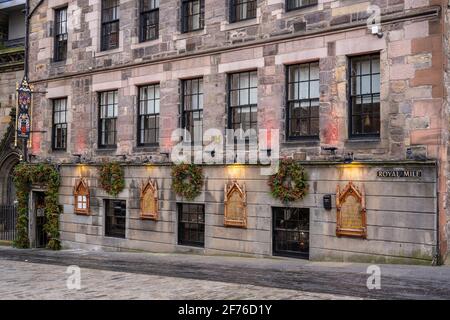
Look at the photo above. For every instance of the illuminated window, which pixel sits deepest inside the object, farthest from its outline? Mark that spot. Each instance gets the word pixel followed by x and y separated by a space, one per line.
pixel 365 96
pixel 81 195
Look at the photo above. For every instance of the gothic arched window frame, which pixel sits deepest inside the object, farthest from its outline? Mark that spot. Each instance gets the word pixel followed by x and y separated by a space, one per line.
pixel 230 188
pixel 81 189
pixel 152 187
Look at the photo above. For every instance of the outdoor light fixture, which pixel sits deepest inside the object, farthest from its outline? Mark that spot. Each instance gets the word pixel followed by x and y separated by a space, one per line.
pixel 213 153
pixel 349 158
pixel 78 160
pixel 332 150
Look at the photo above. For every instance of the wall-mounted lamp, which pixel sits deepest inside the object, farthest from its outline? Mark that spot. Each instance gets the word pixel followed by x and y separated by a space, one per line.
pixel 78 157
pixel 331 150
pixel 376 30
pixel 166 154
pixel 148 159
pixel 213 153
pixel 123 156
pixel 349 158
pixel 268 152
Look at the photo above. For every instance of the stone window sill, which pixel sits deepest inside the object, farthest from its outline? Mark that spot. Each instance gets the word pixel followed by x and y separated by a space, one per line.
pixel 228 26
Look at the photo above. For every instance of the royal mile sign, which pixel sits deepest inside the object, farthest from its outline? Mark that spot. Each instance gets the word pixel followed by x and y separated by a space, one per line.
pixel 399 174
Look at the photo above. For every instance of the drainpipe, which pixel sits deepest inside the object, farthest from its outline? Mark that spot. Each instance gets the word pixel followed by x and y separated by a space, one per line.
pixel 437 256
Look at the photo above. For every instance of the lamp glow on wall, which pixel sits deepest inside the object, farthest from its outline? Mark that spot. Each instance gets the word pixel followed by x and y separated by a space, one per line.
pixel 235 171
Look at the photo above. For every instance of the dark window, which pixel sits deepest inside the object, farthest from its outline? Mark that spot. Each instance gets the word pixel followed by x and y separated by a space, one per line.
pixel 108 119
pixel 149 19
pixel 243 100
pixel 110 24
pixel 242 10
pixel 192 15
pixel 191 224
pixel 59 124
pixel 60 34
pixel 291 232
pixel 148 122
pixel 116 213
pixel 365 96
pixel 297 4
pixel 192 112
pixel 303 101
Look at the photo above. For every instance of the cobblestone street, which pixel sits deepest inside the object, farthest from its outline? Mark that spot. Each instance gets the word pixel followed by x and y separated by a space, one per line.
pixel 22 280
pixel 41 274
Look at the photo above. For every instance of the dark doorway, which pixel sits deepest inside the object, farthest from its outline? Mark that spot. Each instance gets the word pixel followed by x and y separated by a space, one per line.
pixel 115 222
pixel 191 224
pixel 39 211
pixel 8 221
pixel 291 232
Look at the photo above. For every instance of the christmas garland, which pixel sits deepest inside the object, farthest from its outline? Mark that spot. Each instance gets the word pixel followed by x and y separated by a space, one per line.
pixel 290 182
pixel 26 175
pixel 187 180
pixel 112 178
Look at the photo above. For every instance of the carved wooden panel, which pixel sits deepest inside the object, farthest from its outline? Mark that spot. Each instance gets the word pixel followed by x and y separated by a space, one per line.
pixel 351 212
pixel 235 205
pixel 81 197
pixel 149 200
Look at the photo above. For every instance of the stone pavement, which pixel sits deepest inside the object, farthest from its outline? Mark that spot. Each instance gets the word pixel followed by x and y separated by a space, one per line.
pixel 113 275
pixel 24 280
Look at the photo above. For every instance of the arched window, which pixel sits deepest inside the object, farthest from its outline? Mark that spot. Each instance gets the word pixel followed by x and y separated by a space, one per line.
pixel 81 195
pixel 235 205
pixel 149 200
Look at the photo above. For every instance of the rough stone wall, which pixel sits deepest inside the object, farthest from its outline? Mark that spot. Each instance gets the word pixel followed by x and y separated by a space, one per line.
pixel 411 85
pixel 8 81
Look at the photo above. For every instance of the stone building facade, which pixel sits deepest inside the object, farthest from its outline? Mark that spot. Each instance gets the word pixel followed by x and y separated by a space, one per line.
pixel 12 33
pixel 407 130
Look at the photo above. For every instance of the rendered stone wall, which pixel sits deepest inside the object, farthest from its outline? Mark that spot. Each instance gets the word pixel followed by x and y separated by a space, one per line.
pixel 401 213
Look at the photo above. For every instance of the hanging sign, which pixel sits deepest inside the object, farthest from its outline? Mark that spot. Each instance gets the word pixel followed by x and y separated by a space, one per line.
pixel 23 110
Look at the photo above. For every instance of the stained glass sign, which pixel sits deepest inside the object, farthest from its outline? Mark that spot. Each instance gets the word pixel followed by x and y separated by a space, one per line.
pixel 23 110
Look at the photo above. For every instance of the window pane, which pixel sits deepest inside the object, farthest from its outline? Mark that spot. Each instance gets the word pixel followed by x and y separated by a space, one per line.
pixel 303 100
pixel 364 90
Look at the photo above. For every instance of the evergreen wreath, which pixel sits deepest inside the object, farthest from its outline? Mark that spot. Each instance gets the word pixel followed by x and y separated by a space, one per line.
pixel 290 182
pixel 112 178
pixel 187 180
pixel 47 176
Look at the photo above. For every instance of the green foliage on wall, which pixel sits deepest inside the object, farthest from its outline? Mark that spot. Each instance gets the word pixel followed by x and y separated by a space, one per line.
pixel 289 184
pixel 46 176
pixel 112 178
pixel 187 180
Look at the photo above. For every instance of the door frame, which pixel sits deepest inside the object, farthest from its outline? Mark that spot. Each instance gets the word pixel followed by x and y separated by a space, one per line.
pixel 32 219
